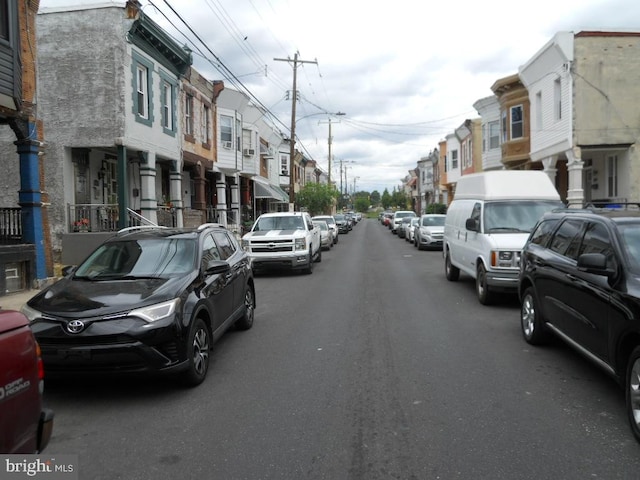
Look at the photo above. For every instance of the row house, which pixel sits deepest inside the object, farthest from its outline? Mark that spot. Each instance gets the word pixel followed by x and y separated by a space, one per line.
pixel 428 180
pixel 24 249
pixel 567 112
pixel 584 121
pixel 110 97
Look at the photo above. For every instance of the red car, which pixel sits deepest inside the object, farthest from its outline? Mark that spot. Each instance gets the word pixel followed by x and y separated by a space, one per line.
pixel 25 425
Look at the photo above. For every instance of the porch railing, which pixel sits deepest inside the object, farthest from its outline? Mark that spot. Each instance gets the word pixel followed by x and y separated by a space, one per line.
pixel 10 225
pixel 90 217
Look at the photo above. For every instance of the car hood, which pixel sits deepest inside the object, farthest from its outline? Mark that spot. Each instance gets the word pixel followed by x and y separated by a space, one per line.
pixel 69 297
pixel 508 241
pixel 274 234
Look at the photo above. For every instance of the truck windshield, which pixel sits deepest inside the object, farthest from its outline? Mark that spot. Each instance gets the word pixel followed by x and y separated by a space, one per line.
pixel 515 216
pixel 279 223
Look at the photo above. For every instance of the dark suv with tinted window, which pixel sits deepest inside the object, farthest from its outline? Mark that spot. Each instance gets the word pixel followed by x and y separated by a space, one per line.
pixel 148 299
pixel 580 280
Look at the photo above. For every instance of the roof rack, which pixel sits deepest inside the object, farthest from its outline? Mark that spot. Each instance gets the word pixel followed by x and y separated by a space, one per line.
pixel 614 205
pixel 138 228
pixel 207 225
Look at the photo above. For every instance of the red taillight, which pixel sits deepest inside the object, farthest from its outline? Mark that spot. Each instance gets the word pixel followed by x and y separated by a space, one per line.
pixel 40 364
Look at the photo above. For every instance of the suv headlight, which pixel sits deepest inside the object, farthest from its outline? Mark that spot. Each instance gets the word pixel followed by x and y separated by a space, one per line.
pixel 156 312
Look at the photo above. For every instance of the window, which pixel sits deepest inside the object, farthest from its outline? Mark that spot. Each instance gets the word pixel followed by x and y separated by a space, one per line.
pixel 238 132
pixel 597 240
pixel 566 239
pixel 494 135
pixel 557 99
pixel 142 86
pixel 4 20
pixel 225 246
pixel 612 176
pixel 284 165
pixel 188 115
pixel 454 158
pixel 541 234
pixel 206 124
pixel 167 105
pixel 226 130
pixel 516 122
pixel 209 250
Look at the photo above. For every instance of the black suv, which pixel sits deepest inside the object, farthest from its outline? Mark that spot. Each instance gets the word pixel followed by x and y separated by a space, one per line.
pixel 580 280
pixel 148 299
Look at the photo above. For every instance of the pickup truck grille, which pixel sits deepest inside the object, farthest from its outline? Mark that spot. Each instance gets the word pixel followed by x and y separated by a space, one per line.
pixel 270 246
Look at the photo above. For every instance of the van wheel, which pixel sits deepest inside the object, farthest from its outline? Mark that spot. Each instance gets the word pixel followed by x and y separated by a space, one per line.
pixel 482 289
pixel 632 387
pixel 452 273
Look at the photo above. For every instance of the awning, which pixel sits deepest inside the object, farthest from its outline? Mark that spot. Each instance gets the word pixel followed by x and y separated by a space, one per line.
pixel 263 189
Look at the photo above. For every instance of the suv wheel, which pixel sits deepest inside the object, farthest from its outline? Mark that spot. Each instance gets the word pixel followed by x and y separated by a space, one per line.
pixel 452 273
pixel 633 392
pixel 482 289
pixel 198 346
pixel 246 321
pixel 531 321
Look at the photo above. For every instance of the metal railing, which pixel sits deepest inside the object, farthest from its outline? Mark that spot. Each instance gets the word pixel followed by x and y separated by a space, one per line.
pixel 91 217
pixel 10 225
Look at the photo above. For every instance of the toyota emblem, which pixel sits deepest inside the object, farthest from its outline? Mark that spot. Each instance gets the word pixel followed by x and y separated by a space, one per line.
pixel 75 326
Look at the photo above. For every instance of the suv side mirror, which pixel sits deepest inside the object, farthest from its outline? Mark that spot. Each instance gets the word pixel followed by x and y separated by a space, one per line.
pixel 472 224
pixel 217 267
pixel 595 263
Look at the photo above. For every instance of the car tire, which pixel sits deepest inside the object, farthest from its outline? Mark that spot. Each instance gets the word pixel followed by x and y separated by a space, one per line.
pixel 632 388
pixel 532 323
pixel 452 273
pixel 246 321
pixel 198 349
pixel 485 296
pixel 309 268
pixel 319 256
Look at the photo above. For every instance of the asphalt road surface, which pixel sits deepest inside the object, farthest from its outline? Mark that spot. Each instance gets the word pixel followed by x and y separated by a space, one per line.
pixel 373 367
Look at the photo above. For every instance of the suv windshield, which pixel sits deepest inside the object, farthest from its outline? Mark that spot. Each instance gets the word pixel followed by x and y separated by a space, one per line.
pixel 279 223
pixel 513 216
pixel 152 257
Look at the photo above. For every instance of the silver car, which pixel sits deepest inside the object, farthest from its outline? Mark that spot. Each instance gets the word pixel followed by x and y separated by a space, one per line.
pixel 429 231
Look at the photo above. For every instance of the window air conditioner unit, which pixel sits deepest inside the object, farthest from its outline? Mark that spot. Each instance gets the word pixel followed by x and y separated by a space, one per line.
pixel 284 172
pixel 226 144
pixel 249 152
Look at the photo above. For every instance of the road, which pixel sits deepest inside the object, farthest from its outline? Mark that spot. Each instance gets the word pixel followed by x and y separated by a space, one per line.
pixel 373 367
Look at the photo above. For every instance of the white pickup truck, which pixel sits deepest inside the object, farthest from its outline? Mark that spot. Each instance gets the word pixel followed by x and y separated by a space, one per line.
pixel 283 240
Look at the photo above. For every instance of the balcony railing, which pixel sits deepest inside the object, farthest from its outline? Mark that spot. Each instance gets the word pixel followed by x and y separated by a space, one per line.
pixel 90 217
pixel 10 225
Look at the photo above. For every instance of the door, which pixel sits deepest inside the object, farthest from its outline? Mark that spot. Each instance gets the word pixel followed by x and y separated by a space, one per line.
pixel 230 252
pixel 218 289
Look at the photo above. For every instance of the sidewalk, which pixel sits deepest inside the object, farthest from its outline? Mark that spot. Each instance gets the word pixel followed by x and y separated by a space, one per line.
pixel 14 301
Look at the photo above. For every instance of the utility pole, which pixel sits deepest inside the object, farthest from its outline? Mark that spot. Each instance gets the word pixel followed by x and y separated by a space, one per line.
pixel 292 141
pixel 330 141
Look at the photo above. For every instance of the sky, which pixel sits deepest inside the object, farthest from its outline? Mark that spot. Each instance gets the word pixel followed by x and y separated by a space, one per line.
pixel 405 73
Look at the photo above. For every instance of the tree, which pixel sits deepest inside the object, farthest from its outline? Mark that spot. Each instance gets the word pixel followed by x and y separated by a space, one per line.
pixel 375 198
pixel 361 204
pixel 316 198
pixel 386 199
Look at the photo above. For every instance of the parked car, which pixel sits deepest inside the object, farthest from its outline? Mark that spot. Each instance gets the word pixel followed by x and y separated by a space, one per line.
pixel 429 231
pixel 342 222
pixel 149 299
pixel 25 424
pixel 386 218
pixel 409 231
pixel 394 223
pixel 401 229
pixel 326 236
pixel 283 240
pixel 580 281
pixel 333 226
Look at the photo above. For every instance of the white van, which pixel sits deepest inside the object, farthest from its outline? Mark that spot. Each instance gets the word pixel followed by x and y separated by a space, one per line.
pixel 488 223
